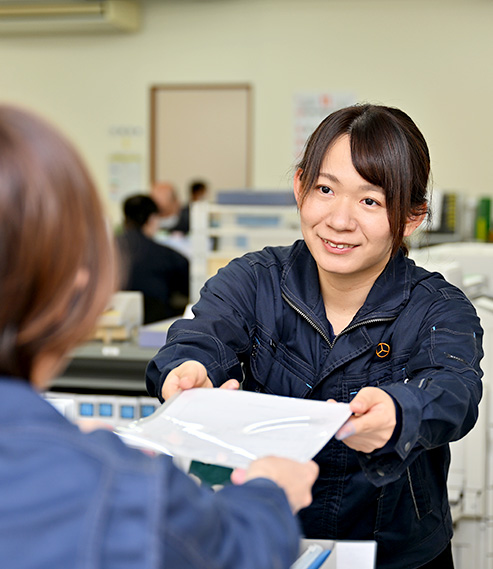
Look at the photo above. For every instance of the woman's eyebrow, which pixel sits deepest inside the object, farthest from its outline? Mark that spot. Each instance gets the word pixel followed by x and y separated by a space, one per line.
pixel 328 176
pixel 364 187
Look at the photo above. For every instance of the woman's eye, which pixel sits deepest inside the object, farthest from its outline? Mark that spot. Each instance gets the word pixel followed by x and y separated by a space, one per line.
pixel 369 201
pixel 324 189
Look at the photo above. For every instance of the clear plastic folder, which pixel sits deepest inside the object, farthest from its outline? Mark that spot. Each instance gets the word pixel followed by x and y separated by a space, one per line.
pixel 232 428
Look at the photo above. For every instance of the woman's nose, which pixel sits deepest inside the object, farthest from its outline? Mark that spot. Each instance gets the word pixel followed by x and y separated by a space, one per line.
pixel 340 216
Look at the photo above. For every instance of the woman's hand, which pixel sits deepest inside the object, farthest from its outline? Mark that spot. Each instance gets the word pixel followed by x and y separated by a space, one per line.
pixel 373 422
pixel 188 375
pixel 295 478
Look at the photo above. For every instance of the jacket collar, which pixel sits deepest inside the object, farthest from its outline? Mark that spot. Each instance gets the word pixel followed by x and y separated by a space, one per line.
pixel 300 284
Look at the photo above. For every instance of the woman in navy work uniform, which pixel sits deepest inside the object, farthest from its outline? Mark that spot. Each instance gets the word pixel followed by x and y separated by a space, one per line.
pixel 74 499
pixel 344 315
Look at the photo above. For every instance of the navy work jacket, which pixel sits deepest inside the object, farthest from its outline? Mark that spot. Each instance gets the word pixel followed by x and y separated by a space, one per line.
pixel 87 501
pixel 262 319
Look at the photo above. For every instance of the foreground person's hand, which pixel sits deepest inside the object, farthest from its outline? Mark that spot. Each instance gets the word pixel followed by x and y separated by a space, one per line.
pixel 295 478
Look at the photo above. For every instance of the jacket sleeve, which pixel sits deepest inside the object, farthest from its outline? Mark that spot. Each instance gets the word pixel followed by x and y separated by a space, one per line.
pixel 440 396
pixel 239 526
pixel 219 334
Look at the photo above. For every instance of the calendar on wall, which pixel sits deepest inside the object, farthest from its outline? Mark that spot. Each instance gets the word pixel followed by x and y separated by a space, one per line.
pixel 309 111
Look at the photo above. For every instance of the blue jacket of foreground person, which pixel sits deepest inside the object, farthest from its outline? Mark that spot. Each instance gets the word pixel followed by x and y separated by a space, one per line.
pixel 417 337
pixel 74 500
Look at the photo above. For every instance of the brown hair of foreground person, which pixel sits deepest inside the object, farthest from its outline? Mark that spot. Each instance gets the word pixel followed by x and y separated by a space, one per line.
pixel 48 251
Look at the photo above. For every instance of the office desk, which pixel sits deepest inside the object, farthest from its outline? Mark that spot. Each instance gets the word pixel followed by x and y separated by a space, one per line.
pixel 117 368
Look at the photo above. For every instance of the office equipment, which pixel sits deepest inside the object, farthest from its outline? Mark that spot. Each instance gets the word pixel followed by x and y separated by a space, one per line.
pixel 115 410
pixel 343 554
pixel 452 218
pixel 121 319
pixel 154 335
pixel 105 368
pixel 308 556
pixel 221 232
pixel 64 403
pixel 70 16
pixel 256 197
pixel 469 265
pixel 471 470
pixel 319 561
pixel 472 259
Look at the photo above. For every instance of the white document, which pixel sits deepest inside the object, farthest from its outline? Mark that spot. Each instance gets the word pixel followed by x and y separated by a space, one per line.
pixel 351 554
pixel 232 428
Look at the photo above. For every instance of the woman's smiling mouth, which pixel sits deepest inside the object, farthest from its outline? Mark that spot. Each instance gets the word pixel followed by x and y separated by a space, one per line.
pixel 338 245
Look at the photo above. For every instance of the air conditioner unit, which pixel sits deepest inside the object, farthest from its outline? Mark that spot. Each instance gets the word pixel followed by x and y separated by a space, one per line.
pixel 30 17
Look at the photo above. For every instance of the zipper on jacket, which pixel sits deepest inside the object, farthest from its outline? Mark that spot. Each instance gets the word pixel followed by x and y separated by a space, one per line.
pixel 308 319
pixel 322 332
pixel 364 322
pixel 410 482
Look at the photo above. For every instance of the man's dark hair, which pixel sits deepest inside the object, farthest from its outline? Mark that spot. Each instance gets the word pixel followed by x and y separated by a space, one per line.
pixel 138 209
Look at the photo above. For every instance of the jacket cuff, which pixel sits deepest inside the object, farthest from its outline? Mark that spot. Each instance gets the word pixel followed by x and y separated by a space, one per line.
pixel 155 377
pixel 387 464
pixel 412 411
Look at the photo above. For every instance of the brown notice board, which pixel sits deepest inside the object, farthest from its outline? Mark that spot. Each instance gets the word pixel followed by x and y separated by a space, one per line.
pixel 201 132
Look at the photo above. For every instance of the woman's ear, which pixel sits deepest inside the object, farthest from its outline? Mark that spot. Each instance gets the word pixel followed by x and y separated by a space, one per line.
pixel 297 186
pixel 413 222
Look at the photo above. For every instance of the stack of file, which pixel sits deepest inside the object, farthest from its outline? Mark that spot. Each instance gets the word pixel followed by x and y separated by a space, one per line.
pixel 312 558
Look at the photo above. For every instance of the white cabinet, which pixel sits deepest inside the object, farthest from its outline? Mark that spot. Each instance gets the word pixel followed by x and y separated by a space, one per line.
pixel 220 233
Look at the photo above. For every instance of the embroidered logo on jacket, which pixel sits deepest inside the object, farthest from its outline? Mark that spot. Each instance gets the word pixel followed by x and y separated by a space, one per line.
pixel 383 350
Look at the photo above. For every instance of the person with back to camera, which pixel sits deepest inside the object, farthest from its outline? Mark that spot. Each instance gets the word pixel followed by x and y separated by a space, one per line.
pixel 343 314
pixel 159 272
pixel 73 499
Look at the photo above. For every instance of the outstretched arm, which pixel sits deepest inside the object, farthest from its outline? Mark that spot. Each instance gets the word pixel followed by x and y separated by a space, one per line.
pixel 241 526
pixel 188 375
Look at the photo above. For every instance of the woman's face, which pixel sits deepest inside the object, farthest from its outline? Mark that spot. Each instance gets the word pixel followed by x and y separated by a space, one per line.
pixel 344 220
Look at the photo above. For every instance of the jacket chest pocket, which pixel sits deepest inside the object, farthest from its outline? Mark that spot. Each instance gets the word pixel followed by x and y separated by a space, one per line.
pixel 375 374
pixel 276 370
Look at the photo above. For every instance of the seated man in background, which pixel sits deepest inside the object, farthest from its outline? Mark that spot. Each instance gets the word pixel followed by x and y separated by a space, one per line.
pixel 159 272
pixel 169 207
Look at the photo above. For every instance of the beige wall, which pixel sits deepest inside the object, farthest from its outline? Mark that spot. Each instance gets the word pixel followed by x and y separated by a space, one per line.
pixel 433 58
